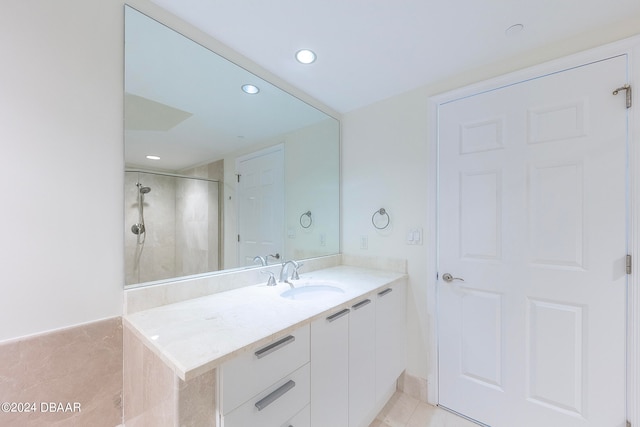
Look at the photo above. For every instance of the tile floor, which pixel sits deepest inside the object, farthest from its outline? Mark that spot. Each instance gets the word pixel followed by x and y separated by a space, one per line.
pixel 403 410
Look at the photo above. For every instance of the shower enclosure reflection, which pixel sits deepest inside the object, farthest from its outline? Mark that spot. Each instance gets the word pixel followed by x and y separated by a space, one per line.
pixel 172 226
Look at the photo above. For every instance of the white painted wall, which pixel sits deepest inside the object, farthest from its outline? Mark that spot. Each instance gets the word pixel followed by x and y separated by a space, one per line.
pixel 385 164
pixel 312 184
pixel 384 156
pixel 61 164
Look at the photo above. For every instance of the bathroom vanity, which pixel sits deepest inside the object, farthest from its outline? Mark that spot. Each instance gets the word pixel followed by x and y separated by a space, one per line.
pixel 326 352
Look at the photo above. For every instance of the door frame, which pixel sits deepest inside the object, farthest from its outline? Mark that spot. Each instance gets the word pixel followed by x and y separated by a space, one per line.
pixel 629 47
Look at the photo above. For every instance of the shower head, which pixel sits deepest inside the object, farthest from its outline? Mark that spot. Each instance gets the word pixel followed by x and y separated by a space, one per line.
pixel 142 189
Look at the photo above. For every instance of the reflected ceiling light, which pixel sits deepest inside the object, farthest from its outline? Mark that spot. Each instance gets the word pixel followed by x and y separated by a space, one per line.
pixel 305 56
pixel 514 30
pixel 153 157
pixel 250 89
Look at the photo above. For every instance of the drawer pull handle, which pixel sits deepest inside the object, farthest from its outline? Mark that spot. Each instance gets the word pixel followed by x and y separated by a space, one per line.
pixel 275 395
pixel 338 315
pixel 361 304
pixel 386 291
pixel 274 346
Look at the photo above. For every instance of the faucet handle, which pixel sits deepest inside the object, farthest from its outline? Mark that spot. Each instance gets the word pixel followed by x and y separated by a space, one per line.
pixel 271 281
pixel 295 275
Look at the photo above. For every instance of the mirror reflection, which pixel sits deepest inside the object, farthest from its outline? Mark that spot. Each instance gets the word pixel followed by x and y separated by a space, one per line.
pixel 223 169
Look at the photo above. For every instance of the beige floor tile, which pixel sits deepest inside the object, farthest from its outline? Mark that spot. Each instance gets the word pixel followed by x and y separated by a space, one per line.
pixel 403 410
pixel 398 410
pixel 424 416
pixel 377 423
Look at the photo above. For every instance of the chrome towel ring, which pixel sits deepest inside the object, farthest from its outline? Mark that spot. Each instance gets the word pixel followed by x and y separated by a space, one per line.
pixel 382 212
pixel 307 223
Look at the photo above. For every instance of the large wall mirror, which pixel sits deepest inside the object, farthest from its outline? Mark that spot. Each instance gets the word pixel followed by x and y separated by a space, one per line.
pixel 223 170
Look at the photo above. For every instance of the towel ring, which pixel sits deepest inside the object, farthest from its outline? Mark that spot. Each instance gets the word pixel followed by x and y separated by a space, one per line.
pixel 310 220
pixel 381 212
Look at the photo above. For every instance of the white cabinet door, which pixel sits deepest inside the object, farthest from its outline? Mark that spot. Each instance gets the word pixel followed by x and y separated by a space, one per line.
pixel 390 340
pixel 330 370
pixel 362 383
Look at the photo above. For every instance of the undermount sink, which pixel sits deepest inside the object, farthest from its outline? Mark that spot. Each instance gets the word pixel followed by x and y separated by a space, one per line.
pixel 312 291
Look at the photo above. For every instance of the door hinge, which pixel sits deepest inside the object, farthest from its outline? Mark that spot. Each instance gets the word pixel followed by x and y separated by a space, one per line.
pixel 238 237
pixel 238 176
pixel 628 264
pixel 627 89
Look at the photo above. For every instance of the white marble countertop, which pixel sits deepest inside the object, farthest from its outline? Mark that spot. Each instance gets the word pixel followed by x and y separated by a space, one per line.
pixel 195 336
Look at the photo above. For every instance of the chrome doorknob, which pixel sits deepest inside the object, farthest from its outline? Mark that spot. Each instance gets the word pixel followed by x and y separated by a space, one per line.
pixel 449 278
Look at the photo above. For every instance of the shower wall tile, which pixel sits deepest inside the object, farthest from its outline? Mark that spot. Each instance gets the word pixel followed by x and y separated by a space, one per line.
pixel 181 220
pixel 196 207
pixel 80 366
pixel 155 259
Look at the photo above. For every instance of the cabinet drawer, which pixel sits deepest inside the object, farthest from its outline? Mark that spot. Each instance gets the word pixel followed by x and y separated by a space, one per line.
pixel 301 419
pixel 252 372
pixel 276 405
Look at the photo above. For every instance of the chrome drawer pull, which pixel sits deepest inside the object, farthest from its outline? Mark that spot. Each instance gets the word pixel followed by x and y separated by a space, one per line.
pixel 361 304
pixel 386 291
pixel 338 315
pixel 275 395
pixel 274 346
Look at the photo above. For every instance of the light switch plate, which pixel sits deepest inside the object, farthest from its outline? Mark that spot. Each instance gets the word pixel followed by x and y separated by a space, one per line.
pixel 414 236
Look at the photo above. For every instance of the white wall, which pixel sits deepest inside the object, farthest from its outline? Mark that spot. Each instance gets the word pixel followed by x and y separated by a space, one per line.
pixel 384 156
pixel 385 164
pixel 61 164
pixel 312 184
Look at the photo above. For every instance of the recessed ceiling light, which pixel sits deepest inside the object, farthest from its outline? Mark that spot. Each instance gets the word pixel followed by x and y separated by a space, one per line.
pixel 153 157
pixel 250 89
pixel 514 29
pixel 305 56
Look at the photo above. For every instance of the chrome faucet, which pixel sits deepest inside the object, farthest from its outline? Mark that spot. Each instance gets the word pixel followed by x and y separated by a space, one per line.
pixel 284 276
pixel 262 259
pixel 271 281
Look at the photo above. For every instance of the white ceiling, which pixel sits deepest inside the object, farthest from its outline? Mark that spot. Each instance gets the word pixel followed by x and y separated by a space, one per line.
pixel 370 50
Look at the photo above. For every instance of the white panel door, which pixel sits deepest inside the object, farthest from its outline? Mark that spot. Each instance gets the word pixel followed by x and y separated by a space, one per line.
pixel 260 194
pixel 532 217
